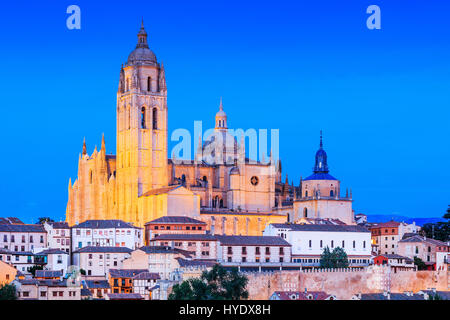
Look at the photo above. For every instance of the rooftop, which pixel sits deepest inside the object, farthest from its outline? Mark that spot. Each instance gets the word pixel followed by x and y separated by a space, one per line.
pixel 252 241
pixel 321 227
pixel 104 224
pixel 175 220
pixel 98 249
pixel 125 273
pixel 22 228
pixel 301 295
pixel 124 296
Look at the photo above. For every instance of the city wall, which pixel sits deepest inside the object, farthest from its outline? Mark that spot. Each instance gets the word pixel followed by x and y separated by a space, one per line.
pixel 344 283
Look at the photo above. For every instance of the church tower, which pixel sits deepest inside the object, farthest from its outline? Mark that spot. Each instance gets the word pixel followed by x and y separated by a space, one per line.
pixel 141 128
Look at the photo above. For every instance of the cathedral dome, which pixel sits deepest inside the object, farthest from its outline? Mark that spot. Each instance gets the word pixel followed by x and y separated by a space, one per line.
pixel 321 165
pixel 142 54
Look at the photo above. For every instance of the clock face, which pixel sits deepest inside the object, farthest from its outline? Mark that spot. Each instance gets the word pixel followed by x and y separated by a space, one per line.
pixel 254 180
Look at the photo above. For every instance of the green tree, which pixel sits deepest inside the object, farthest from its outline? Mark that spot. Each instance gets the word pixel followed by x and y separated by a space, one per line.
pixel 42 220
pixel 33 269
pixel 334 259
pixel 439 230
pixel 420 264
pixel 8 292
pixel 326 260
pixel 216 284
pixel 435 296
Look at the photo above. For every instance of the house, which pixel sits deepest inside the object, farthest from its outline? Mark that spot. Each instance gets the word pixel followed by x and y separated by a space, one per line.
pixel 96 261
pixel 173 225
pixel 156 259
pixel 309 240
pixel 252 251
pixel 98 287
pixel 427 249
pixel 23 261
pixel 201 246
pixel 10 220
pixel 22 237
pixel 7 273
pixel 387 296
pixel 54 259
pixel 301 295
pixel 33 289
pixel 106 233
pixel 121 280
pixel 395 261
pixel 145 283
pixel 58 236
pixel 385 236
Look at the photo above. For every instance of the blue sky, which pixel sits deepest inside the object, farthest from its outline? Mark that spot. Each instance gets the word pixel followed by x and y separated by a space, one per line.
pixel 381 97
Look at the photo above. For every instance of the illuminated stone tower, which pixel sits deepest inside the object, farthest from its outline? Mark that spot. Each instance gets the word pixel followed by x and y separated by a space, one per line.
pixel 141 128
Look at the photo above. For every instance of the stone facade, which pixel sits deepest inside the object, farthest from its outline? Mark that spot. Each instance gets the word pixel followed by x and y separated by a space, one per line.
pixel 344 283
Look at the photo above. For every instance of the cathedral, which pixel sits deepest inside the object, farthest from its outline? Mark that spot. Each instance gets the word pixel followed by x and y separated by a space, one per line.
pixel 220 186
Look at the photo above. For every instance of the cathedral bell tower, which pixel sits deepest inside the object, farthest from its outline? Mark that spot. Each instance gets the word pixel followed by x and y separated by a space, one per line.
pixel 141 128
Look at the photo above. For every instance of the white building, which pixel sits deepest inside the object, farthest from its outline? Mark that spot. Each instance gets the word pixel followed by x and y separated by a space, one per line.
pixel 96 261
pixel 22 237
pixel 309 240
pixel 58 236
pixel 53 259
pixel 108 233
pixel 253 250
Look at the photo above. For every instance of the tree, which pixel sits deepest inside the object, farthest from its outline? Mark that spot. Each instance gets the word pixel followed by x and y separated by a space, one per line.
pixel 435 296
pixel 335 259
pixel 216 284
pixel 439 230
pixel 33 269
pixel 8 292
pixel 326 260
pixel 83 272
pixel 420 264
pixel 42 220
pixel 340 257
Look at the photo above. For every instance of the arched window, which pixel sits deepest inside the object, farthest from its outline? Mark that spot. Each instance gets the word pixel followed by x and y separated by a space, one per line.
pixel 205 179
pixel 331 193
pixel 90 176
pixel 306 194
pixel 149 84
pixel 183 180
pixel 305 213
pixel 221 203
pixel 155 118
pixel 143 118
pixel 128 84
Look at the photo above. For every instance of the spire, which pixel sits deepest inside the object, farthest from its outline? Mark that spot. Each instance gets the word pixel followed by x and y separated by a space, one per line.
pixel 162 78
pixel 321 165
pixel 221 117
pixel 321 144
pixel 142 37
pixel 221 105
pixel 84 146
pixel 103 143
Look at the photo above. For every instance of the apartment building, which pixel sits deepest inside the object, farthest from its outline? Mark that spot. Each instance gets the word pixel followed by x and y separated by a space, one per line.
pixel 22 237
pixel 58 236
pixel 173 225
pixel 424 248
pixel 96 261
pixel 107 233
pixel 309 240
pixel 385 236
pixel 201 246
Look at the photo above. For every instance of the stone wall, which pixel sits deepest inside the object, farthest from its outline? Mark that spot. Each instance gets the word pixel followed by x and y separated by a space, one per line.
pixel 344 282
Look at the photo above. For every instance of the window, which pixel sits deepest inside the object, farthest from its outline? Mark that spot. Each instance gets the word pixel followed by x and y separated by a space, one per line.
pixel 155 118
pixel 281 251
pixel 23 239
pixel 331 193
pixel 31 239
pixel 321 243
pixel 43 293
pixel 5 238
pixel 364 244
pixel 149 84
pixel 143 118
pixel 354 244
pixel 41 239
pixel 305 213
pixel 244 259
pixel 343 244
pixel 267 250
pixel 310 243
pixel 332 243
pixel 281 259
pixel 257 250
pixel 244 250
pixel 12 239
pixel 230 250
